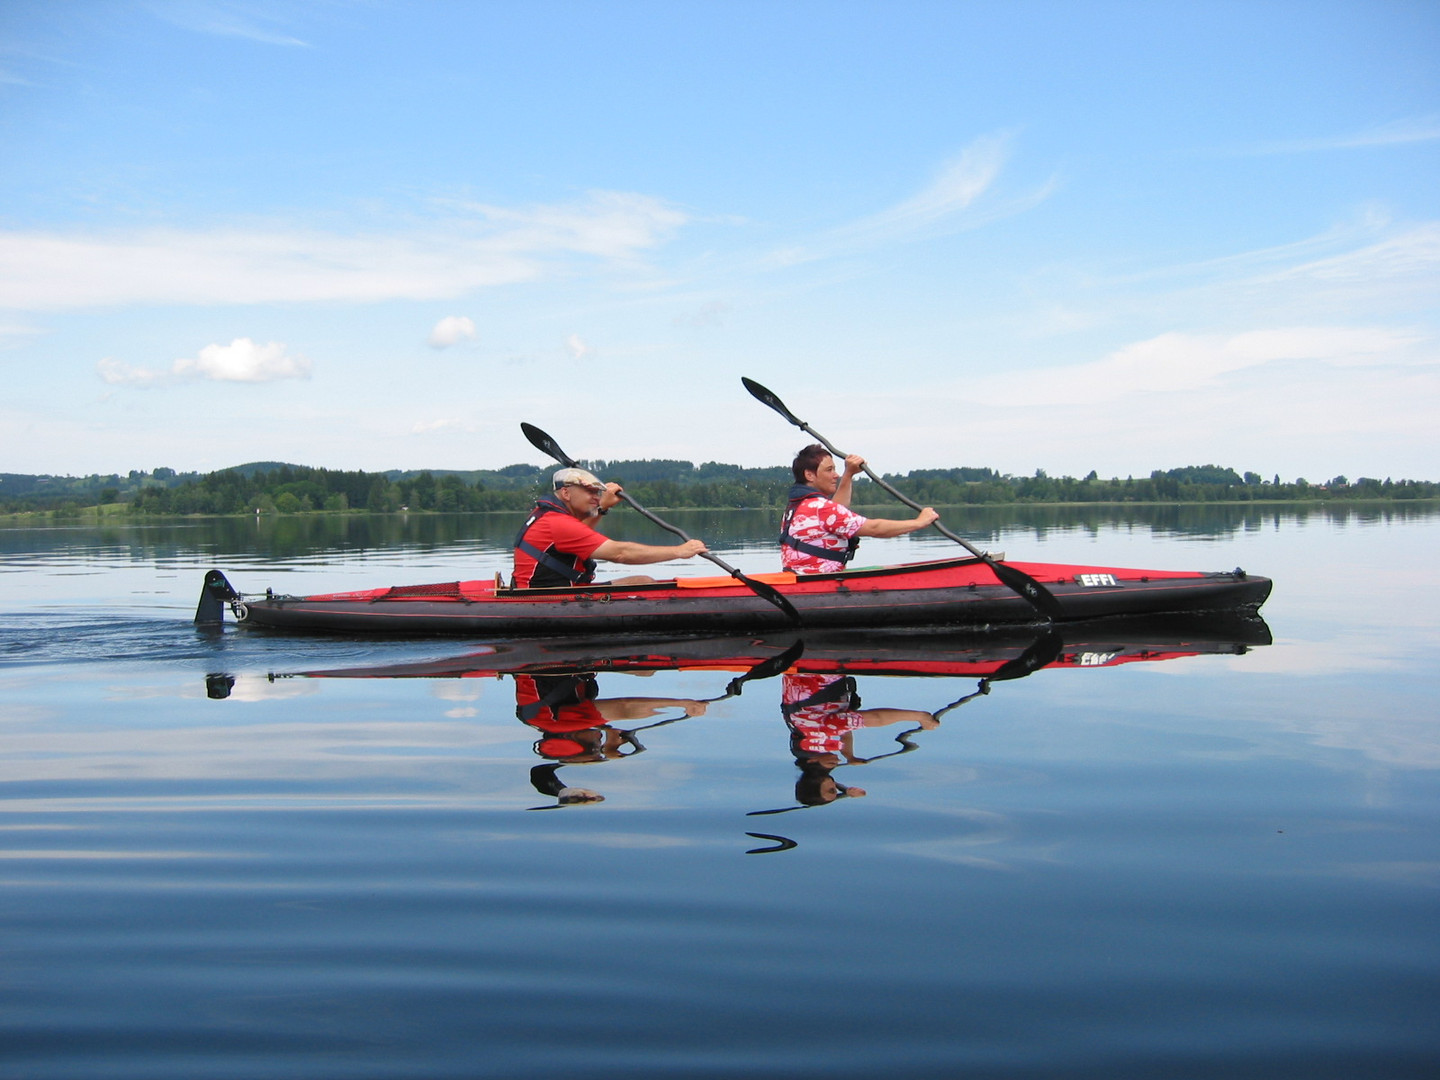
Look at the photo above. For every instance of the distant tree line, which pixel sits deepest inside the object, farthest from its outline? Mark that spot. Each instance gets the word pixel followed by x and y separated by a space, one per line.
pixel 275 487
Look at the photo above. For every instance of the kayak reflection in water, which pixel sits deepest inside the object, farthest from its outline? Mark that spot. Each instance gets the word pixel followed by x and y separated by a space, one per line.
pixel 576 727
pixel 823 713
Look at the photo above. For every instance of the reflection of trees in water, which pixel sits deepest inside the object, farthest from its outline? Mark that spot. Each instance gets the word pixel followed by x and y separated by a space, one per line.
pixel 288 538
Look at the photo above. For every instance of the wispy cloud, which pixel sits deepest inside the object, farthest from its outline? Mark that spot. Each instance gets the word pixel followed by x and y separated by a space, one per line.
pixel 487 247
pixel 1301 401
pixel 1353 273
pixel 12 334
pixel 1408 254
pixel 577 348
pixel 614 225
pixel 251 21
pixel 451 330
pixel 947 204
pixel 240 361
pixel 1393 133
pixel 1177 362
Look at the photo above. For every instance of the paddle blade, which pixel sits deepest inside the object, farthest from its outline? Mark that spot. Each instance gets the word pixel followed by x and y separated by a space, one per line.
pixel 768 397
pixel 768 669
pixel 546 445
pixel 1040 597
pixel 782 843
pixel 768 592
pixel 1041 653
pixel 776 665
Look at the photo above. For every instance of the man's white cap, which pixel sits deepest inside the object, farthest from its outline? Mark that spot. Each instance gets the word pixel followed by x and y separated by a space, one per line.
pixel 577 476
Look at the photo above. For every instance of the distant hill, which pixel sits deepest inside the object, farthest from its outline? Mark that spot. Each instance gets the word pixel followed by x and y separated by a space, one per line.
pixel 252 467
pixel 27 488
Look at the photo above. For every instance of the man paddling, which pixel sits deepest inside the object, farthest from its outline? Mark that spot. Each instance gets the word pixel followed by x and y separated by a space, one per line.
pixel 559 546
pixel 819 533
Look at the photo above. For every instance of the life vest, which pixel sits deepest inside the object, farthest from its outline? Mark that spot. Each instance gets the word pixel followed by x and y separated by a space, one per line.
pixel 550 565
pixel 798 494
pixel 842 691
pixel 550 694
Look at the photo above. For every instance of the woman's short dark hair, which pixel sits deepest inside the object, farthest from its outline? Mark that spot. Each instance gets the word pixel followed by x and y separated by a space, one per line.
pixel 808 460
pixel 809 785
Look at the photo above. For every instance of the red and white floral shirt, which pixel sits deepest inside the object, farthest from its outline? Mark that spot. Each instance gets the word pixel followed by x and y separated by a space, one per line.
pixel 822 523
pixel 821 727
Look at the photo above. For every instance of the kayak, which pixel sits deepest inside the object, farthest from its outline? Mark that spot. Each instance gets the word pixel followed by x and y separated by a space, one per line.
pixel 958 592
pixel 1008 652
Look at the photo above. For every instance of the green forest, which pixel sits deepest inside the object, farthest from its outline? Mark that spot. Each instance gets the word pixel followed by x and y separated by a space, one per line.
pixel 279 488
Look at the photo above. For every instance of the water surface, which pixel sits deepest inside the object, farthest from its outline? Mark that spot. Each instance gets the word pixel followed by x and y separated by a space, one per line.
pixel 220 861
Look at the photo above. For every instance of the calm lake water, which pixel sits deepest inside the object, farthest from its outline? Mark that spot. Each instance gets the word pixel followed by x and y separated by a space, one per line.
pixel 1199 857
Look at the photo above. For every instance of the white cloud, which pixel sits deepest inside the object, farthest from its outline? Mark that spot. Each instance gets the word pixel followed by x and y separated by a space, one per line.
pixel 578 349
pixel 244 361
pixel 486 246
pixel 240 361
pixel 452 330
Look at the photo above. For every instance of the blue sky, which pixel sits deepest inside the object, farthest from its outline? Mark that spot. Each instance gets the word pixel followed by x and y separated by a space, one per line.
pixel 1066 236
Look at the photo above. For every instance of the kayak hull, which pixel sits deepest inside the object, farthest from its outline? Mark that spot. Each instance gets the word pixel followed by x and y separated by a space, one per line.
pixel 951 592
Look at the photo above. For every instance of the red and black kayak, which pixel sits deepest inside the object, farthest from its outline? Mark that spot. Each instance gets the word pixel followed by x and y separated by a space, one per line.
pixel 963 592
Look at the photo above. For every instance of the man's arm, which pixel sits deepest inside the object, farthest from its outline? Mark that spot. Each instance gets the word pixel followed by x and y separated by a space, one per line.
pixel 633 554
pixel 643 708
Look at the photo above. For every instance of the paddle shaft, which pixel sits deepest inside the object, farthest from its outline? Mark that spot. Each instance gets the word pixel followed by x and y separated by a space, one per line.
pixel 681 533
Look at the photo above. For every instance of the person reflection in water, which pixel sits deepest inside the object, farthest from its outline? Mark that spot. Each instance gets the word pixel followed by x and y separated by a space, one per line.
pixel 823 713
pixel 576 726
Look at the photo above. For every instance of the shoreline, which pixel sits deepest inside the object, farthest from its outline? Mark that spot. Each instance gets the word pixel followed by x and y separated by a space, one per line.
pixel 117 513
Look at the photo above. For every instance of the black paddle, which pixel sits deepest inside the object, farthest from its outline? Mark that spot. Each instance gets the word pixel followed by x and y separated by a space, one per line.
pixel 1040 598
pixel 765 669
pixel 1038 654
pixel 546 444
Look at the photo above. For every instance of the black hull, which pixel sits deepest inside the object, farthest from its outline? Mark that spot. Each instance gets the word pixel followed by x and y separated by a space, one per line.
pixel 679 612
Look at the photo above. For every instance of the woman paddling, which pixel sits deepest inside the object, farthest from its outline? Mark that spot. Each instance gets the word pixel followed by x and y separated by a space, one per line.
pixel 819 533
